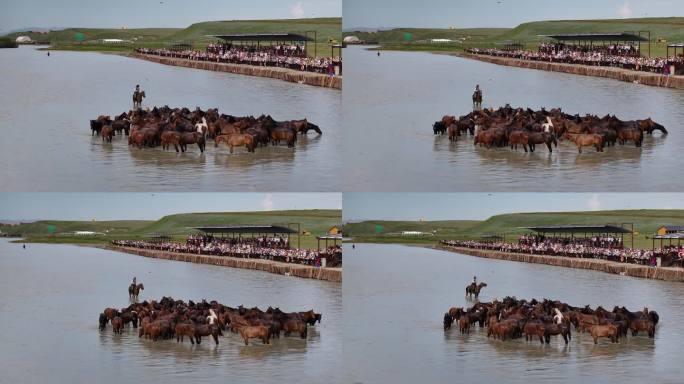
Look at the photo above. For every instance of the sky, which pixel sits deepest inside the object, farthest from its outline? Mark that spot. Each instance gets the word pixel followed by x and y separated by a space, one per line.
pixel 16 14
pixel 495 13
pixel 480 206
pixel 151 206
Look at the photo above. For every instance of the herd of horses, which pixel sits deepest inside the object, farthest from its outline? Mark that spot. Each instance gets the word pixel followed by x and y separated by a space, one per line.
pixel 513 127
pixel 169 318
pixel 511 318
pixel 179 127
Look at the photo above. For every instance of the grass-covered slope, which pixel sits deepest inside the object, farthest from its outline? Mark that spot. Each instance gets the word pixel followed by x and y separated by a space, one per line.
pixel 511 225
pixel 315 222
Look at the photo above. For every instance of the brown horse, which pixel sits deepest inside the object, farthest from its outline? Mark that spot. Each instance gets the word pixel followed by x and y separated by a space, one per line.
pixel 117 325
pixel 464 325
pixel 255 332
pixel 534 328
pixel 192 138
pixel 535 138
pixel 588 140
pixel 293 325
pixel 207 330
pixel 556 329
pixel 453 132
pixel 624 135
pixel 236 140
pixel 518 137
pixel 185 329
pixel 169 138
pixel 283 133
pixel 107 133
pixel 649 126
pixel 138 97
pixel 642 325
pixel 134 290
pixel 474 289
pixel 609 331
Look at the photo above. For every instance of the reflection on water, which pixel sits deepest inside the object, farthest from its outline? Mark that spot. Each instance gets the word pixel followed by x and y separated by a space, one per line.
pixel 391 101
pixel 46 103
pixel 52 295
pixel 395 296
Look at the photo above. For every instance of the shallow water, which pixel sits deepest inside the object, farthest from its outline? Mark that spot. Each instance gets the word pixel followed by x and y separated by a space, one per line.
pixel 390 103
pixel 52 295
pixel 395 297
pixel 46 104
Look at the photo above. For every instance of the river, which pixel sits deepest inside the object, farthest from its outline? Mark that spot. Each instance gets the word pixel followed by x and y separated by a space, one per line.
pixel 395 297
pixel 52 295
pixel 46 104
pixel 391 101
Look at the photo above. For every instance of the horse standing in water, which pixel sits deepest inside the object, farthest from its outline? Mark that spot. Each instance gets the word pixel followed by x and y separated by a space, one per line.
pixel 477 100
pixel 134 290
pixel 138 97
pixel 474 289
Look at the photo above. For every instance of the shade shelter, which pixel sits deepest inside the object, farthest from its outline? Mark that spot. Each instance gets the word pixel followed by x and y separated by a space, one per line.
pixel 240 231
pixel 158 237
pixel 590 39
pixel 328 239
pixel 256 39
pixel 573 231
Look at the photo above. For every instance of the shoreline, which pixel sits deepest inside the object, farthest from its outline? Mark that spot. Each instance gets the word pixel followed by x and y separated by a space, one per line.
pixel 612 267
pixel 284 74
pixel 646 78
pixel 275 267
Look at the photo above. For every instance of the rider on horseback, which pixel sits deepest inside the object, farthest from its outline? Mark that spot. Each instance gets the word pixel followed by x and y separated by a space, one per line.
pixel 134 280
pixel 477 98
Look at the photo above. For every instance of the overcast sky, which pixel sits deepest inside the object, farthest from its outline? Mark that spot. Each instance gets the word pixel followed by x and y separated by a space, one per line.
pixel 16 14
pixel 480 206
pixel 495 13
pixel 151 206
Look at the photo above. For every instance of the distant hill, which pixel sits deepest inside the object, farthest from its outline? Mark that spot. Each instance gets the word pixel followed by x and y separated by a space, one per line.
pixel 669 28
pixel 511 225
pixel 316 222
pixel 198 33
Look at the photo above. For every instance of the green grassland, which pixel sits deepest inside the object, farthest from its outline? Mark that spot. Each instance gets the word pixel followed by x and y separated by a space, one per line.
pixel 198 34
pixel 530 34
pixel 7 43
pixel 314 222
pixel 511 225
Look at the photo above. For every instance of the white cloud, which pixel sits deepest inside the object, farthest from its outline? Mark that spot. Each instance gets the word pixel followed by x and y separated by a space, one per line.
pixel 297 10
pixel 267 203
pixel 625 11
pixel 594 202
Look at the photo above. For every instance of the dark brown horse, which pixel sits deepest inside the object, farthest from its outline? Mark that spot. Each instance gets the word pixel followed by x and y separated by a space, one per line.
pixel 474 289
pixel 134 290
pixel 192 138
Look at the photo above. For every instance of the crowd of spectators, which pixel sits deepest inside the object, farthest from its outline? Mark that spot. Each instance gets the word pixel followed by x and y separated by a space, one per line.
pixel 579 248
pixel 601 241
pixel 621 56
pixel 282 56
pixel 268 248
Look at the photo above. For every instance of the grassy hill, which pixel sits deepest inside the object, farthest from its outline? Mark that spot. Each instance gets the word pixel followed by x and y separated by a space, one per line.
pixel 7 43
pixel 511 225
pixel 315 222
pixel 530 34
pixel 197 34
